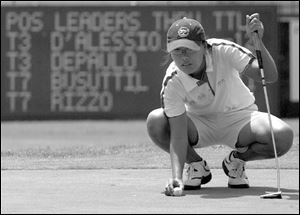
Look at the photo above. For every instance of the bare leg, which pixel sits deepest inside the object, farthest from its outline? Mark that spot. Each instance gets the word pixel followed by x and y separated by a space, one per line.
pixel 159 132
pixel 257 136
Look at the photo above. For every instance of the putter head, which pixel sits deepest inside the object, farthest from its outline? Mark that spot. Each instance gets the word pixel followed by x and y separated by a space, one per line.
pixel 272 195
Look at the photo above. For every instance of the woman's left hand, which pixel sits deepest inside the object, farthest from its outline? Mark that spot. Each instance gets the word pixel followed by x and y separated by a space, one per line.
pixel 253 24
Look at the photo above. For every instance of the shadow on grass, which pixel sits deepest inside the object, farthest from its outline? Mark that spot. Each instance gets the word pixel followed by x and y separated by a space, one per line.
pixel 224 192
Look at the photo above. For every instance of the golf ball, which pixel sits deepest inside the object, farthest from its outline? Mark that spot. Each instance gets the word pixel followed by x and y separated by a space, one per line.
pixel 177 191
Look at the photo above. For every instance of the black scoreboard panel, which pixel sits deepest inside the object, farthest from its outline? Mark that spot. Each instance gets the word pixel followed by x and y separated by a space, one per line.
pixel 104 62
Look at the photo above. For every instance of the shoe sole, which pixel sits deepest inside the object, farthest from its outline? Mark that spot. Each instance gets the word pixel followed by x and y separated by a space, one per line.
pixel 204 180
pixel 239 186
pixel 233 185
pixel 187 187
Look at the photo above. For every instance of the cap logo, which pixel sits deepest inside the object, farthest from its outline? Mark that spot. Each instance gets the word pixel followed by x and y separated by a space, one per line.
pixel 183 32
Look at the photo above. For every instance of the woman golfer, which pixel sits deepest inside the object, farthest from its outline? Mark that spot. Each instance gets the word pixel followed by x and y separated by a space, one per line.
pixel 205 102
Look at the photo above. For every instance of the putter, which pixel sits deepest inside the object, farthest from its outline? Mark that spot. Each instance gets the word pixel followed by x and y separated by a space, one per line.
pixel 269 195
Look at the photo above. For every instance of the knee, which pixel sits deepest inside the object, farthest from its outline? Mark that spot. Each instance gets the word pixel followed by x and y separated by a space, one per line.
pixel 284 140
pixel 156 122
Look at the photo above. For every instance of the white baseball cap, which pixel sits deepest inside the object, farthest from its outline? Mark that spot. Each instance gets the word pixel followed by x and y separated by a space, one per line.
pixel 185 32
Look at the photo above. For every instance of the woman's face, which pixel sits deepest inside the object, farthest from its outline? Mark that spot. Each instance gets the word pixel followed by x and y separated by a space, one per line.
pixel 187 60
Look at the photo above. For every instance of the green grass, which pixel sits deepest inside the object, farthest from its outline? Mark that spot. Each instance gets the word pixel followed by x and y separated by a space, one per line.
pixel 103 145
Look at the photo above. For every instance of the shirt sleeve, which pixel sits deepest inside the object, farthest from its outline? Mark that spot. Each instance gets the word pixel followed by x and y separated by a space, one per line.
pixel 172 100
pixel 239 57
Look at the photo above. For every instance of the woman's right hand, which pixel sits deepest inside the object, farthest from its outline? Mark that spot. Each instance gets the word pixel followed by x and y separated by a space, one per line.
pixel 174 187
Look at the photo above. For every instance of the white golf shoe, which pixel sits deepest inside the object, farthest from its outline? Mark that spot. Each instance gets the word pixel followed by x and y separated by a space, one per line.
pixel 195 174
pixel 234 168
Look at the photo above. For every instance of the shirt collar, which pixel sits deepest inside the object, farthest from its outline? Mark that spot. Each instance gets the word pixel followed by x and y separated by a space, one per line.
pixel 209 63
pixel 189 82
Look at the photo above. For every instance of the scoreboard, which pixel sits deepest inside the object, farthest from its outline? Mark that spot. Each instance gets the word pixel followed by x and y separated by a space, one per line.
pixel 104 62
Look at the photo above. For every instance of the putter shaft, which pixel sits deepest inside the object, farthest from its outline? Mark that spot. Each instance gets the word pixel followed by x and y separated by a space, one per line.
pixel 260 63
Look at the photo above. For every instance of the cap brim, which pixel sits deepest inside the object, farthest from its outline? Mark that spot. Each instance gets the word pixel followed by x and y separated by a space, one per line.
pixel 182 43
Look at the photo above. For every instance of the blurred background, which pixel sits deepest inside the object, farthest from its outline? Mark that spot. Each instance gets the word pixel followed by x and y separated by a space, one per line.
pixel 104 60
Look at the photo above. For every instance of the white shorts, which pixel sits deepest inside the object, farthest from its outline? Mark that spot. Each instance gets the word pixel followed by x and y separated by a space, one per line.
pixel 222 128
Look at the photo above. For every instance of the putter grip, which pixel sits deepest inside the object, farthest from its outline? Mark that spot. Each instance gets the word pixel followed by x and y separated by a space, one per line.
pixel 259 59
pixel 257 49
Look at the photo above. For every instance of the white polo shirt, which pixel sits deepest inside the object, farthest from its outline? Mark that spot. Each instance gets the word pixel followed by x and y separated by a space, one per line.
pixel 225 92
